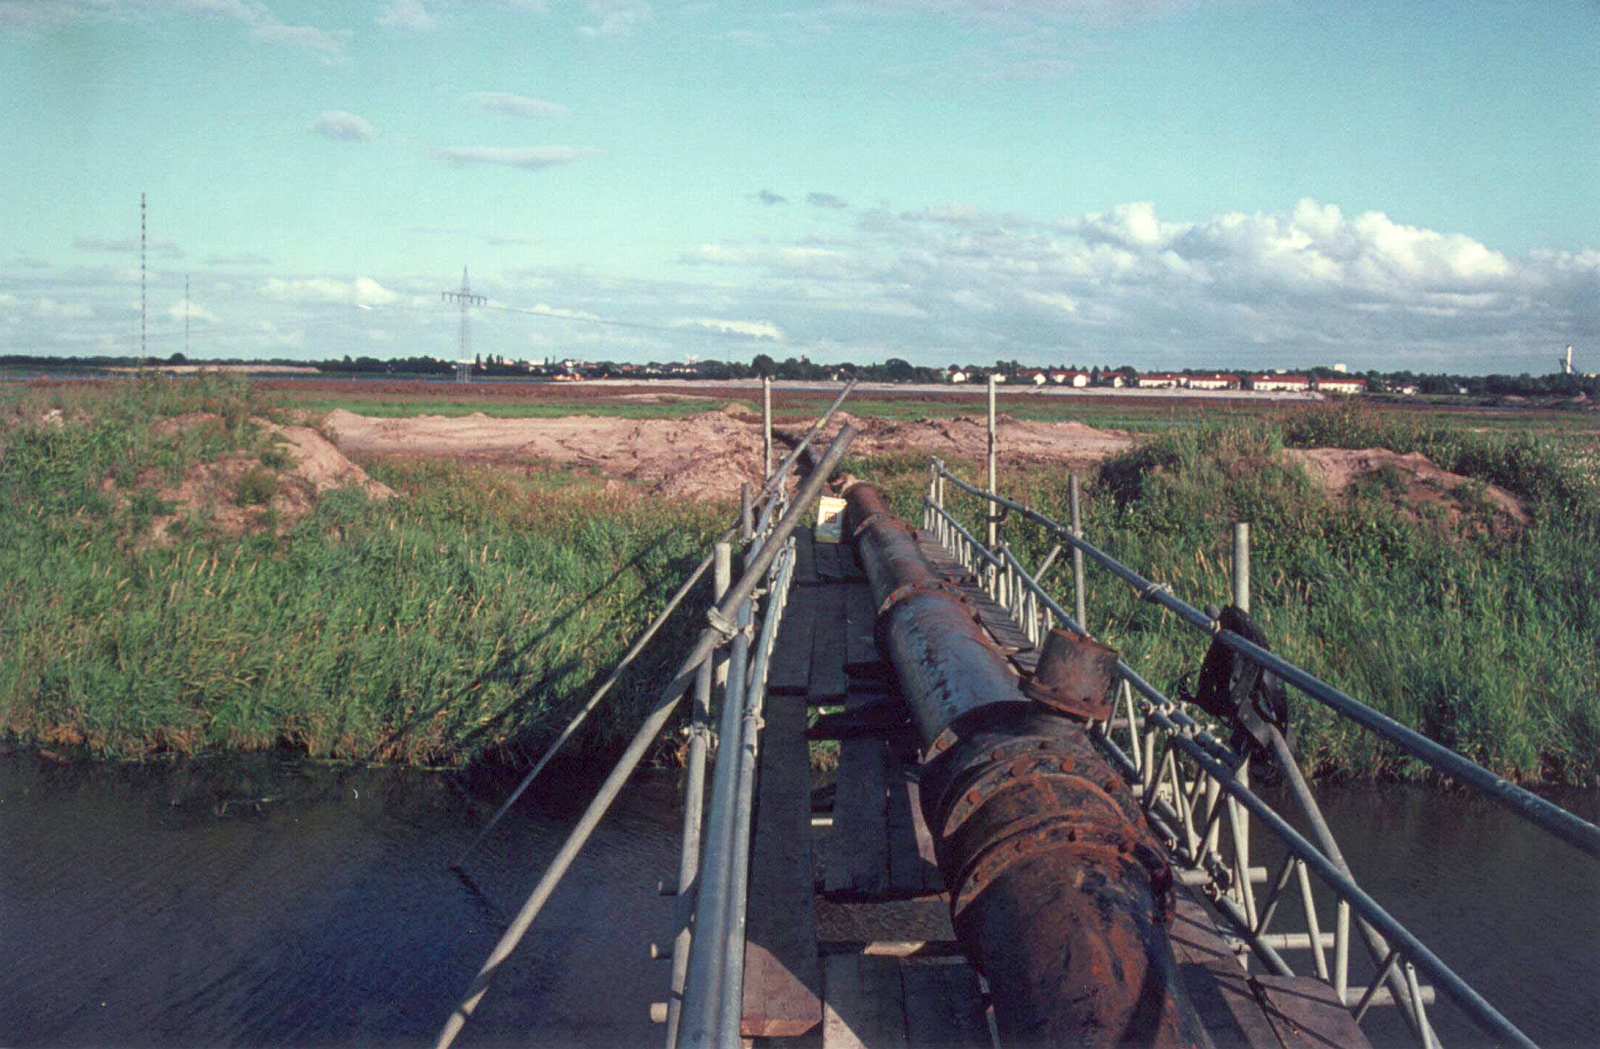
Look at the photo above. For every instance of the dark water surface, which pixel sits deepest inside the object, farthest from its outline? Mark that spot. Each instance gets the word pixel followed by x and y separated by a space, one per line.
pixel 171 907
pixel 1512 910
pixel 270 903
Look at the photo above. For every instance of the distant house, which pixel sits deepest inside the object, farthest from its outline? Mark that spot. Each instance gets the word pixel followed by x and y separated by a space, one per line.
pixel 1342 385
pixel 1215 381
pixel 1038 378
pixel 955 375
pixel 999 377
pixel 1113 380
pixel 1407 391
pixel 1280 383
pixel 1075 379
pixel 1160 381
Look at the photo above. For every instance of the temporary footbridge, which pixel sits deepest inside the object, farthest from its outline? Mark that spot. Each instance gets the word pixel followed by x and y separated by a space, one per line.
pixel 1040 846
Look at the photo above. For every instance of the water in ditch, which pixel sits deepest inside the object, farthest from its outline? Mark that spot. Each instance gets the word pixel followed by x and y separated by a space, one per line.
pixel 265 902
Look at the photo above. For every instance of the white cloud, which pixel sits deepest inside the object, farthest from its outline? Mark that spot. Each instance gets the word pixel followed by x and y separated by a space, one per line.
pixel 263 24
pixel 50 309
pixel 409 15
pixel 529 158
pixel 616 18
pixel 517 105
pixel 544 310
pixel 241 259
pixel 164 249
pixel 363 291
pixel 748 329
pixel 344 127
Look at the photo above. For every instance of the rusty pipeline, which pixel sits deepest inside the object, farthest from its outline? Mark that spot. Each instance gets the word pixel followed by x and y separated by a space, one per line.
pixel 1059 892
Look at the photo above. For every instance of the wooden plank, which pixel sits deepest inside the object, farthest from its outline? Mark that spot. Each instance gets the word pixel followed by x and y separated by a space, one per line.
pixel 944 1005
pixel 865 1006
pixel 858 854
pixel 829 682
pixel 834 561
pixel 805 561
pixel 1218 986
pixel 862 659
pixel 1306 1013
pixel 789 672
pixel 911 873
pixel 782 973
pixel 850 564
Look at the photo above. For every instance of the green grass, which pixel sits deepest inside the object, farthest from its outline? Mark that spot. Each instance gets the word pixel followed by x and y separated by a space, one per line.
pixel 1486 644
pixel 463 621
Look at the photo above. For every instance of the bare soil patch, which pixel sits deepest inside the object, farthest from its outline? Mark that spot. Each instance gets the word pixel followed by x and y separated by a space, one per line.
pixel 1414 485
pixel 240 494
pixel 705 455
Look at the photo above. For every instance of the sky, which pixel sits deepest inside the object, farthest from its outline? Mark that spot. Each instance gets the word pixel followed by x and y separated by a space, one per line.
pixel 1161 183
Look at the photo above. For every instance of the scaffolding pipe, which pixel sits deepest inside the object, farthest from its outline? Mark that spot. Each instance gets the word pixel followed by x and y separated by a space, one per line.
pixel 694 811
pixel 1550 817
pixel 721 618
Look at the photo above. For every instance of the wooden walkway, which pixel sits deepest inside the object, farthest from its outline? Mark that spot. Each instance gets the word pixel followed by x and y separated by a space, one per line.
pixel 848 942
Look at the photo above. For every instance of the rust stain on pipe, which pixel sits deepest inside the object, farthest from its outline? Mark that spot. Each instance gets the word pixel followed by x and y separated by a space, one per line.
pixel 1060 893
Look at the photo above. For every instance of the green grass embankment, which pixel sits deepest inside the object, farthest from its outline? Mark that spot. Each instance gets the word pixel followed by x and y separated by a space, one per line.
pixel 1486 640
pixel 463 620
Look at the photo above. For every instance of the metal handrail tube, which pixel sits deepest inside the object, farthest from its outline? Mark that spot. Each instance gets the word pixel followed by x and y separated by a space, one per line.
pixel 693 815
pixel 702 992
pixel 1324 835
pixel 588 708
pixel 771 497
pixel 755 571
pixel 1149 691
pixel 1552 818
pixel 731 1009
pixel 1471 1002
pixel 774 482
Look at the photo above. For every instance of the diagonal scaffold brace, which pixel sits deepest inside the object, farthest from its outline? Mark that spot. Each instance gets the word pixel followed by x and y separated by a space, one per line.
pixel 755 571
pixel 769 490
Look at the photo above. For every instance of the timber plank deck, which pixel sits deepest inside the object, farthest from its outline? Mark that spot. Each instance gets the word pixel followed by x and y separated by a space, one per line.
pixel 859 861
pixel 782 971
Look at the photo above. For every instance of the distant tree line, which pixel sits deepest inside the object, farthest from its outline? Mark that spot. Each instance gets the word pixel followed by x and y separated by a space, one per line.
pixel 803 369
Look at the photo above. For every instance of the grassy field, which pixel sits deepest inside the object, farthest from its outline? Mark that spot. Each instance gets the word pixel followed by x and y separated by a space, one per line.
pixel 463 621
pixel 451 625
pixel 1488 643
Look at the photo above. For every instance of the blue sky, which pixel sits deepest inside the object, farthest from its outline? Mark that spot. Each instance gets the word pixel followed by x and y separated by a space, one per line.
pixel 1158 182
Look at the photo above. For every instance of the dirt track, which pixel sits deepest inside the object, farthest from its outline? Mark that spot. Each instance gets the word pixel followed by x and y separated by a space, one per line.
pixel 703 455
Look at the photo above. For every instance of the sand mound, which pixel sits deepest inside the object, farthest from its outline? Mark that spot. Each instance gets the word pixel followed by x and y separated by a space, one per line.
pixel 706 455
pixel 240 494
pixel 1412 483
pixel 1070 443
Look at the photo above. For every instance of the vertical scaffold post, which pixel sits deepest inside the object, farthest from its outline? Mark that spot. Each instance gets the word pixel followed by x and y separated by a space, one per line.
pixel 694 795
pixel 1241 601
pixel 1078 582
pixel 1241 566
pixel 766 426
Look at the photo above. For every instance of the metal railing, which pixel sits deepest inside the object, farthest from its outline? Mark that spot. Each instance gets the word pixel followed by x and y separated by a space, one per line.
pixel 708 945
pixel 1196 788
